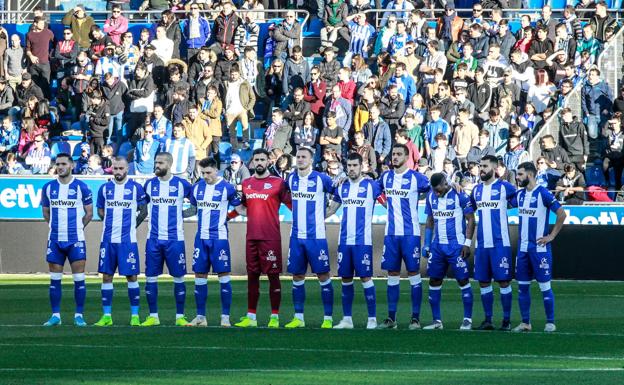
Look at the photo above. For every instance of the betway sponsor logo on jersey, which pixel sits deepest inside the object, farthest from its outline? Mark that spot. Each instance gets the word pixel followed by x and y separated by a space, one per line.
pixel 527 212
pixel 303 195
pixel 257 196
pixel 164 201
pixel 354 201
pixel 62 203
pixel 490 205
pixel 208 205
pixel 443 213
pixel 392 192
pixel 118 204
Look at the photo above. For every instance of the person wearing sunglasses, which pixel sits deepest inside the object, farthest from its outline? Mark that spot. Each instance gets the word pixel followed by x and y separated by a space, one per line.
pixel 195 30
pixel 65 54
pixel 287 35
pixel 116 25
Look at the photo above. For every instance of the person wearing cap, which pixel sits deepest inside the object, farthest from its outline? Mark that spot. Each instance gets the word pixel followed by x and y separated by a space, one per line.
pixel 225 62
pixel 287 34
pixel 195 30
pixel 38 52
pixel 507 88
pixel 108 63
pixel 155 66
pixel 27 89
pixel 116 25
pixel 80 24
pixel 99 42
pixel 163 45
pixel 236 172
pixel 247 34
pixel 449 25
pixel 225 26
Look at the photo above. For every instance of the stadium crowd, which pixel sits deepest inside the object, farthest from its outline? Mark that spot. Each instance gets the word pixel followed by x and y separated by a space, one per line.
pixel 452 91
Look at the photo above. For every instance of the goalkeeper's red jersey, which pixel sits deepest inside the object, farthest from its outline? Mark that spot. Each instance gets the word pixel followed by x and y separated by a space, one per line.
pixel 263 198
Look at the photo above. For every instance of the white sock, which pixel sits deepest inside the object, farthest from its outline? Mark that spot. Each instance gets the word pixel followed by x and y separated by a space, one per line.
pixel 178 316
pixel 155 315
pixel 299 316
pixel 251 316
pixel 347 318
pixel 58 315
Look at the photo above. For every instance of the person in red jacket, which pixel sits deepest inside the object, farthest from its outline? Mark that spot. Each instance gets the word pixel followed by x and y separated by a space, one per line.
pixel 402 137
pixel 346 84
pixel 314 93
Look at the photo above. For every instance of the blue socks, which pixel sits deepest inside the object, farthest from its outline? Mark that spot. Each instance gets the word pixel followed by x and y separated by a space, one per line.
pixel 80 292
pixel 416 285
pixel 298 296
pixel 327 296
pixel 107 298
pixel 435 296
pixel 179 289
pixel 347 298
pixel 226 294
pixel 524 301
pixel 393 296
pixel 134 295
pixel 506 299
pixel 151 293
pixel 201 294
pixel 371 300
pixel 466 293
pixel 487 298
pixel 55 292
pixel 549 301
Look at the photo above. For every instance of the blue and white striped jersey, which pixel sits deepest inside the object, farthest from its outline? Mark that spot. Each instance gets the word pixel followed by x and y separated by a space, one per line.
pixel 448 214
pixel 120 203
pixel 360 38
pixel 402 191
pixel 358 202
pixel 165 208
pixel 182 150
pixel 212 201
pixel 309 201
pixel 534 209
pixel 490 202
pixel 66 203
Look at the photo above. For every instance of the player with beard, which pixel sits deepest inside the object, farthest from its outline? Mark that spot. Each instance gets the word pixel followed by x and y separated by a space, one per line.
pixel 67 207
pixel 165 237
pixel 490 199
pixel 534 260
pixel 261 198
pixel 118 203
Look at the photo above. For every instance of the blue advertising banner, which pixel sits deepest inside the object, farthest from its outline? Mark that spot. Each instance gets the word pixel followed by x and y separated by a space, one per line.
pixel 20 199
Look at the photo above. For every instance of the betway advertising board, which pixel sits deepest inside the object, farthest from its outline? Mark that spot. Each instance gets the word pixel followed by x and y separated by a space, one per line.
pixel 20 199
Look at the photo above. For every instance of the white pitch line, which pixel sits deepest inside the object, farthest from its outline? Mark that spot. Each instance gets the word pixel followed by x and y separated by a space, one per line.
pixel 308 370
pixel 310 350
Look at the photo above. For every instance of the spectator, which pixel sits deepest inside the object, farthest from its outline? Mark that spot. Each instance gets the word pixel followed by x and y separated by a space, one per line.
pixel 516 153
pixel 398 8
pixel 107 64
pixel 170 22
pixel 94 167
pixel 367 152
pixel 140 93
pixel 329 67
pixel 401 137
pixel 183 153
pixel 225 26
pixel 449 25
pixel 179 107
pixel 541 48
pixel 504 38
pixel 601 21
pixel 197 131
pixel 196 32
pixel 588 44
pixel 564 42
pixel 555 156
pixel 334 21
pixel 107 159
pixel 279 133
pixel 434 127
pixel 346 84
pixel 273 84
pixel 542 94
pixel 441 152
pixel 331 137
pixel 38 43
pixel 415 133
pixel 494 66
pixel 287 34
pixel 27 89
pixel 99 42
pixel 315 91
pixel 7 97
pixel 398 42
pixel 205 81
pixel 236 172
pixel 247 34
pixel 424 168
pixel 296 72
pixel 145 152
pixel 65 54
pixel 436 59
pixel 9 136
pixel 573 139
pixel 116 25
pixel 499 132
pixel 115 91
pixel 546 176
pixel 392 108
pixel 14 63
pixel 453 175
pixel 613 155
pixel 128 55
pixel 239 106
pixel 38 157
pixel 362 111
pixel 161 126
pixel 341 107
pixel 505 174
pixel 596 102
pixel 297 109
pixel 98 115
pixel 466 135
pixel 154 65
pixel 164 46
pixel 80 24
pixel 471 177
pixel 211 111
pixel 13 166
pixel 361 37
pixel 377 132
pixel 570 188
pixel 305 133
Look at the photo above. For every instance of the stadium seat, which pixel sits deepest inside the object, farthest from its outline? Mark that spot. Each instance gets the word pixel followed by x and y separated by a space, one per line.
pixel 59 147
pixel 258 133
pixel 76 151
pixel 536 4
pixel 557 4
pixel 125 148
pixel 225 151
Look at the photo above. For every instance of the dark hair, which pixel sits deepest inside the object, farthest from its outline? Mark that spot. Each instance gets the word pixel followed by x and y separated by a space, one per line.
pixel 260 151
pixel 308 149
pixel 355 156
pixel 401 146
pixel 528 167
pixel 490 158
pixel 65 155
pixel 436 179
pixel 208 162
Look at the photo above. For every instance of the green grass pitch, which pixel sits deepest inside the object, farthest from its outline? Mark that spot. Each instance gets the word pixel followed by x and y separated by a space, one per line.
pixel 587 349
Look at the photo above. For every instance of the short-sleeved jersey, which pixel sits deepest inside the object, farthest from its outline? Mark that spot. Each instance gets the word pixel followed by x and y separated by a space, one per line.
pixel 181 150
pixel 490 202
pixel 120 203
pixel 448 214
pixel 309 200
pixel 165 208
pixel 66 203
pixel 263 198
pixel 533 210
pixel 212 201
pixel 358 202
pixel 402 192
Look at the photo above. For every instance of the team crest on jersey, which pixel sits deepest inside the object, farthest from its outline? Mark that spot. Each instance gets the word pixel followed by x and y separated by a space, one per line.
pixel 131 258
pixel 544 264
pixel 127 191
pixel 405 182
pixel 267 186
pixel 495 193
pixel 311 183
pixel 217 193
pixel 71 191
pixel 323 256
pixel 181 259
pixel 173 189
pixel 504 263
pixel 362 190
pixel 271 256
pixel 154 190
pixel 533 199
pixel 295 183
pixel 416 253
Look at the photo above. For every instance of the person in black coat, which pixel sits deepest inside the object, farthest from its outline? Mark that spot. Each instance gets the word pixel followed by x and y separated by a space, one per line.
pixel 98 113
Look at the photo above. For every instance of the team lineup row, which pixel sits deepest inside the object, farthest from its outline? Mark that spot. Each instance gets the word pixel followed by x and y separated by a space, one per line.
pixel 124 204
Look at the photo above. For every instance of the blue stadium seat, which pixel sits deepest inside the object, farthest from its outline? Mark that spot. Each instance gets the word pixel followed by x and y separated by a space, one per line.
pixel 59 147
pixel 225 151
pixel 125 148
pixel 557 4
pixel 76 151
pixel 536 4
pixel 258 133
